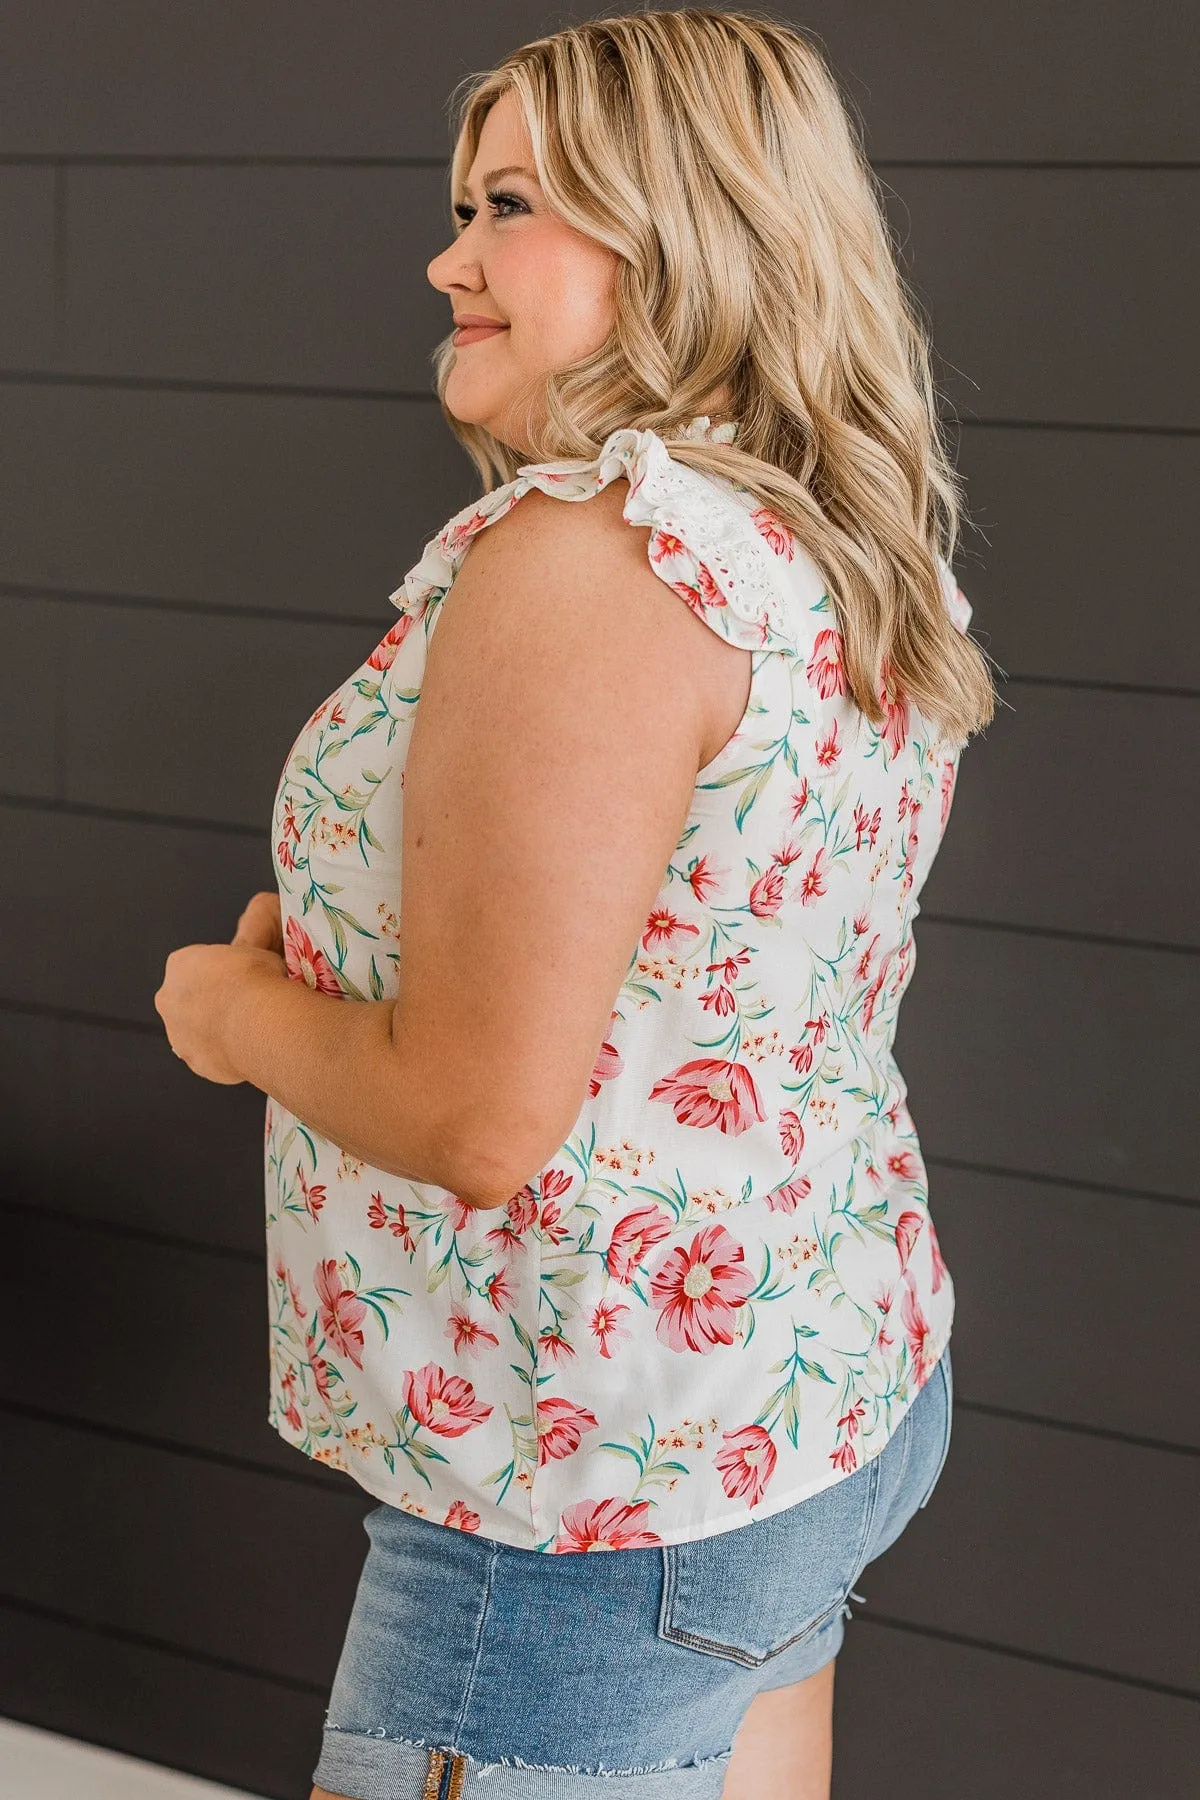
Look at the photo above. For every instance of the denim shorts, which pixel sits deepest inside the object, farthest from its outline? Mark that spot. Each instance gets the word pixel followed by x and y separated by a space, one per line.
pixel 473 1670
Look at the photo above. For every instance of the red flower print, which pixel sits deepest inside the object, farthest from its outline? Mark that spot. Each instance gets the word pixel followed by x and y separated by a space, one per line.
pixel 461 1517
pixel 824 667
pixel 498 1291
pixel 895 712
pixel 828 749
pixel 341 1312
pixel 319 1367
pixel 811 886
pixel 603 1323
pixel 503 1239
pixel 663 927
pixel 560 1426
pixel 908 1230
pixel 377 1218
pixel 459 1212
pixel 554 1345
pixel 844 1457
pixel 633 1236
pixel 703 880
pixel 902 1164
pixel 306 963
pixel 747 1463
pixel 314 1197
pixel 916 1330
pixel 467 1332
pixel 445 1403
pixel 766 894
pixel 949 773
pixel 708 1092
pixel 384 653
pixel 551 1225
pixel 775 531
pixel 698 1290
pixel 522 1210
pixel 849 1422
pixel 605 1525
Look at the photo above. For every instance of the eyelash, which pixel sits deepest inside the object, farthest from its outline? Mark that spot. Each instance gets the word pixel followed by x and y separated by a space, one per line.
pixel 464 213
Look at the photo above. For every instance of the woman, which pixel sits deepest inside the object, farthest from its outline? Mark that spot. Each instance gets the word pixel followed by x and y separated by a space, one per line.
pixel 600 1221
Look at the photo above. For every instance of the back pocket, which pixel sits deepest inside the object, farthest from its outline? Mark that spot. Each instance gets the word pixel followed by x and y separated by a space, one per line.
pixel 750 1593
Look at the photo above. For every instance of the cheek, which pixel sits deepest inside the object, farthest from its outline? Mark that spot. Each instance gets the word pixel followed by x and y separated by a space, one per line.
pixel 562 298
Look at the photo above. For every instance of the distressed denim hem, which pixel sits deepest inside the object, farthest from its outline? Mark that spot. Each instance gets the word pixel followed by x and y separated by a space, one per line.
pixel 377 1767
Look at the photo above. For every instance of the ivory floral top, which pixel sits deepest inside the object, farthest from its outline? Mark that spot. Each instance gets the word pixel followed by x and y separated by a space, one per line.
pixel 723 1292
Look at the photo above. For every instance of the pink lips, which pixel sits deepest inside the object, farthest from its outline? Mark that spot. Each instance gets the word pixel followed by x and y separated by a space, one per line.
pixel 472 334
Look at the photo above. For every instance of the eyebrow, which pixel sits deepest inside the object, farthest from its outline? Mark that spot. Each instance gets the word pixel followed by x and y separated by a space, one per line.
pixel 495 175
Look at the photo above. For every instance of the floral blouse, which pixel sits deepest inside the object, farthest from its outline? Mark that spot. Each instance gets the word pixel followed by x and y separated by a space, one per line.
pixel 723 1292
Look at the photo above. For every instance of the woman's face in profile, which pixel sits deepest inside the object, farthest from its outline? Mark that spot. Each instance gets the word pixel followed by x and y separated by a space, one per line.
pixel 547 286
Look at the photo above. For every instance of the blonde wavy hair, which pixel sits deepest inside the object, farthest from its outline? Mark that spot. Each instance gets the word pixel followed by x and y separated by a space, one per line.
pixel 712 151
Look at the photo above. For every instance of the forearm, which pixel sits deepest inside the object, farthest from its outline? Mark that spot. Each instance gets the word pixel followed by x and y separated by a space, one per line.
pixel 335 1065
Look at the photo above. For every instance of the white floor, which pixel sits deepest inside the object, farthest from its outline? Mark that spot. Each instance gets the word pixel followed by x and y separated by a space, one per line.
pixel 40 1765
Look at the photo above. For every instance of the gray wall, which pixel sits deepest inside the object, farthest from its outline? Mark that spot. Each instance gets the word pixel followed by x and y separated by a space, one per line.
pixel 219 454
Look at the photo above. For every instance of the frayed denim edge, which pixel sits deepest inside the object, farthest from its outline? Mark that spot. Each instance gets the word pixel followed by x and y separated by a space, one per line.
pixel 516 1762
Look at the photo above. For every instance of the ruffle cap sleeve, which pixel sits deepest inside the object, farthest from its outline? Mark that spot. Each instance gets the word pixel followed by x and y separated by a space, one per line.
pixel 735 567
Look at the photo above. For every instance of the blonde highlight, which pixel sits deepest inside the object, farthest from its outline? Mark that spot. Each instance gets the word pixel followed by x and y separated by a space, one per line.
pixel 713 153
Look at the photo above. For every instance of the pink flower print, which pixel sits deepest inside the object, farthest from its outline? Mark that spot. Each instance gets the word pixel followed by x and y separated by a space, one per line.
pixel 445 1403
pixel 895 712
pixel 498 1291
pixel 747 1463
pixel 460 1214
pixel 503 1239
pixel 554 1345
pixel 522 1210
pixel 866 825
pixel 710 1092
pixel 698 1290
pixel 306 963
pixel 766 894
pixel 703 879
pixel 939 1268
pixel 560 1427
pixel 850 1421
pixel 633 1236
pixel 314 1197
pixel 844 1457
pixel 607 1066
pixel 319 1367
pixel 902 1164
pixel 800 799
pixel 452 541
pixel 775 531
pixel 788 1195
pixel 916 1330
pixel 291 1411
pixel 720 1000
pixel 603 1324
pixel 791 1138
pixel 461 1517
pixel 605 1525
pixel 825 669
pixel 341 1312
pixel 384 653
pixel 377 1218
pixel 828 750
pixel 811 886
pixel 908 1230
pixel 664 927
pixel 872 993
pixel 467 1332
pixel 550 1224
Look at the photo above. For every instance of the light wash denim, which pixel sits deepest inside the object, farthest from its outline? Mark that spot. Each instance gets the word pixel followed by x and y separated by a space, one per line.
pixel 473 1670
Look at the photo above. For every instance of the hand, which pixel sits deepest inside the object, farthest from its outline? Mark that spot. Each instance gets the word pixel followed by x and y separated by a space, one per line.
pixel 197 985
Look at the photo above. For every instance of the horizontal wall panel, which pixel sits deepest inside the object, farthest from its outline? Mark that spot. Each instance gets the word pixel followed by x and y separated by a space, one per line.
pixel 1026 843
pixel 1055 1543
pixel 1080 566
pixel 27 305
pixel 207 1319
pixel 318 277
pixel 229 1563
pixel 918 1716
pixel 313 79
pixel 32 633
pixel 313 505
pixel 101 903
pixel 216 1723
pixel 1087 1275
pixel 1051 1057
pixel 186 1162
pixel 192 715
pixel 302 275
pixel 1094 324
